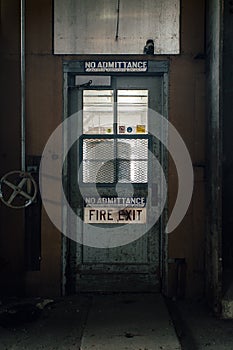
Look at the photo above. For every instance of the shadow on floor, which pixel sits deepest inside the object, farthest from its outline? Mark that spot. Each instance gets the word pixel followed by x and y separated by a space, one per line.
pixel 198 328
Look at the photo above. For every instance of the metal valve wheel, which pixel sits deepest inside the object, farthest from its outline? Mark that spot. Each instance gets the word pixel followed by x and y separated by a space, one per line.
pixel 18 189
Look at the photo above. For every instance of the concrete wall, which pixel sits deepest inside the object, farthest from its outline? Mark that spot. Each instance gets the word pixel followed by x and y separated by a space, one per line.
pixel 44 113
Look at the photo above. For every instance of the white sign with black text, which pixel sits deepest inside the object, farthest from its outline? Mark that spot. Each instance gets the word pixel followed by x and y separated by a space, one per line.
pixel 96 215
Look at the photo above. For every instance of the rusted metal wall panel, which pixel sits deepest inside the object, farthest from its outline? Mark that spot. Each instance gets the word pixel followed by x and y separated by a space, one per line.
pixel 96 27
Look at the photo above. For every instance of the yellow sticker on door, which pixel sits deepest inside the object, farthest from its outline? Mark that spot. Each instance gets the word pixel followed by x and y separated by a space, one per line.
pixel 140 129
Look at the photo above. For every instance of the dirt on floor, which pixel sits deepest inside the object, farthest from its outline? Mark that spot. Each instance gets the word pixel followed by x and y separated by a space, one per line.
pixel 198 328
pixel 36 324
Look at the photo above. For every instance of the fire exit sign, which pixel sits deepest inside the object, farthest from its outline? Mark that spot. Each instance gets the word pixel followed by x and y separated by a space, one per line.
pixel 96 215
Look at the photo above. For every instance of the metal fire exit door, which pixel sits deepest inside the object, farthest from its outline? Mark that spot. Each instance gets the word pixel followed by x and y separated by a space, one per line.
pixel 111 162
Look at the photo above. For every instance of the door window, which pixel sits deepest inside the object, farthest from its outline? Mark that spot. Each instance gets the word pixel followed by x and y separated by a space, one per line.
pixel 98 111
pixel 115 136
pixel 132 106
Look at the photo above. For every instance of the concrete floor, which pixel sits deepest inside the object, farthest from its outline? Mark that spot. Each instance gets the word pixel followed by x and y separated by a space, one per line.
pixel 72 323
pixel 198 328
pixel 59 326
pixel 129 322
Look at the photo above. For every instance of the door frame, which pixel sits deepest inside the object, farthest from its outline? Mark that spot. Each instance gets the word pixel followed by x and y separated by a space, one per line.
pixel 68 256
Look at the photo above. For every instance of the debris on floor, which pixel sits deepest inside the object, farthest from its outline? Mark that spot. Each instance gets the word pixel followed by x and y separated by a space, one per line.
pixel 44 303
pixel 18 312
pixel 75 322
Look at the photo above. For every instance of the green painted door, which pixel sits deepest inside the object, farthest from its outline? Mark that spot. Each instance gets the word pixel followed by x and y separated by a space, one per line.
pixel 112 161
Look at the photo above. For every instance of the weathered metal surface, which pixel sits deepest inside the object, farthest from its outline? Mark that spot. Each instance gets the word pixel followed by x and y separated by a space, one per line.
pixel 131 267
pixel 96 27
pixel 214 231
pixel 227 170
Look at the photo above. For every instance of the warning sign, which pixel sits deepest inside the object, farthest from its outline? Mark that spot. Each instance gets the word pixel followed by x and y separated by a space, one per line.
pixel 121 129
pixel 127 215
pixel 141 129
pixel 115 66
pixel 112 202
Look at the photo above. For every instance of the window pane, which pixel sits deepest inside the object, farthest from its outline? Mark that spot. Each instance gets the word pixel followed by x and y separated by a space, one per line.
pixel 132 107
pixel 108 160
pixel 98 171
pixel 99 149
pixel 132 171
pixel 132 155
pixel 98 111
pixel 132 148
pixel 98 161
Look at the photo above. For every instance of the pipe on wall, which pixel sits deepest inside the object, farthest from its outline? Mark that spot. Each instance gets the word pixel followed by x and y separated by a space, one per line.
pixel 23 90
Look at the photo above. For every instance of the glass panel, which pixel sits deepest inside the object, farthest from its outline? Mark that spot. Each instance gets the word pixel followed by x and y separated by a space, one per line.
pixel 132 157
pixel 98 149
pixel 84 27
pixel 132 171
pixel 99 155
pixel 98 107
pixel 98 171
pixel 98 161
pixel 132 149
pixel 132 107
